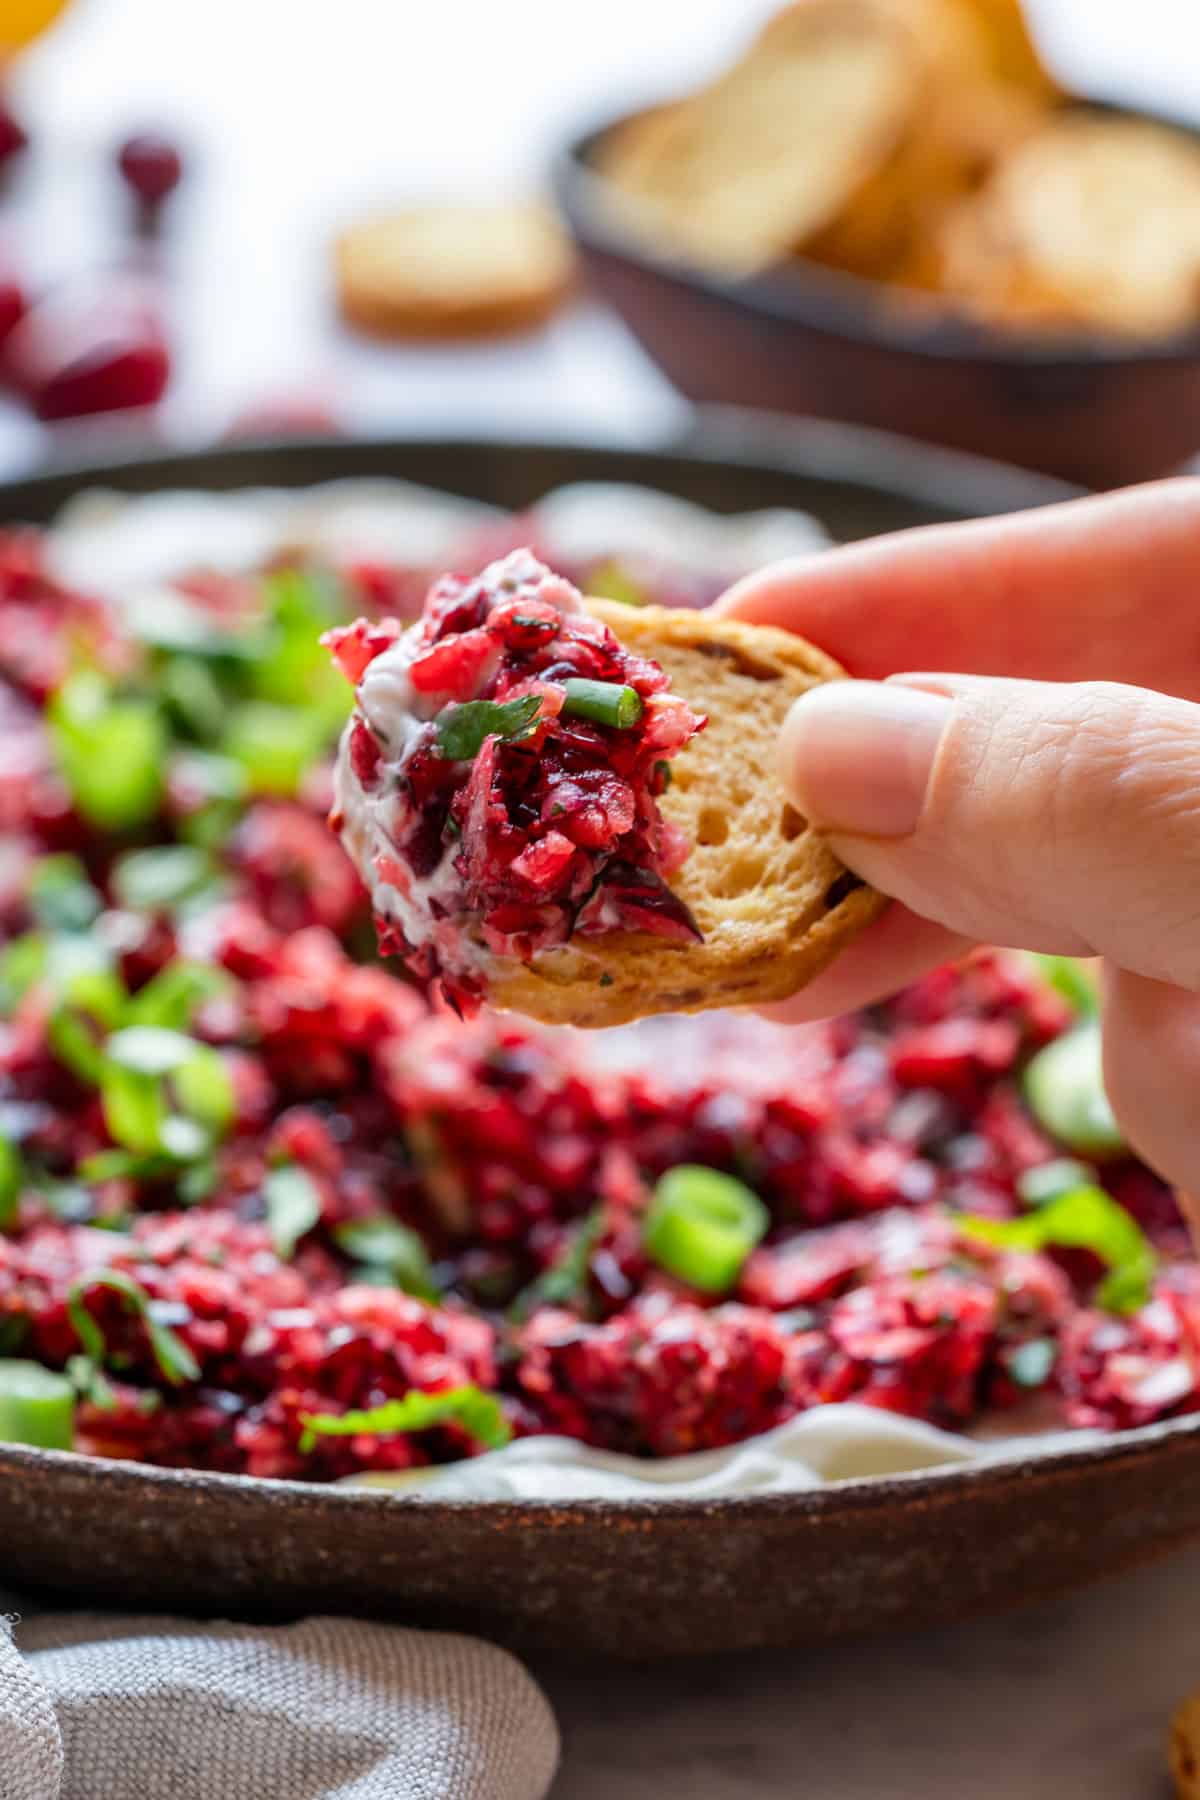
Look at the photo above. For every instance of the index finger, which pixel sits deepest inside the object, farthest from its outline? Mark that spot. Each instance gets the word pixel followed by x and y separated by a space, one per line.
pixel 1097 589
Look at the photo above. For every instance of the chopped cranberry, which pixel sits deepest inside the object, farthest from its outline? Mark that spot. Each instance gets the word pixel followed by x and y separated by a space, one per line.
pixel 556 814
pixel 355 647
pixel 152 167
pixel 629 899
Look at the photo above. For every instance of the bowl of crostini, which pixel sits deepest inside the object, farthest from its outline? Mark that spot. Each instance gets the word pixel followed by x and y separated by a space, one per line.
pixel 889 212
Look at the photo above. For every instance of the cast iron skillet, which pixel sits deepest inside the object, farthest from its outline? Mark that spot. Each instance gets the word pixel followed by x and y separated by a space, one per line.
pixel 640 1578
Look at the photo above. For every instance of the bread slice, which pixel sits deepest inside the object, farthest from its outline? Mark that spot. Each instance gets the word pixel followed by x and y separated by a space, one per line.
pixel 771 898
pixel 968 115
pixel 453 271
pixel 740 174
pixel 1093 222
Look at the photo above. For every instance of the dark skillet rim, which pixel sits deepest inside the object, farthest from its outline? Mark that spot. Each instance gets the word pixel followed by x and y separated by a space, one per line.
pixel 820 450
pixel 848 306
pixel 862 1494
pixel 829 452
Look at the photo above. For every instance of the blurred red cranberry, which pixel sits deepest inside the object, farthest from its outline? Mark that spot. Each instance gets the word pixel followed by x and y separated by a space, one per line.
pixel 89 348
pixel 151 165
pixel 13 306
pixel 12 133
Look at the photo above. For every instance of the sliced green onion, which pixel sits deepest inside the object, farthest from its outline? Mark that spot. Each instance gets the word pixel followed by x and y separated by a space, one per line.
pixel 1071 978
pixel 1083 1218
pixel 389 1248
pixel 293 666
pixel 109 751
pixel 158 879
pixel 275 745
pixel 1064 1085
pixel 172 1355
pixel 701 1226
pixel 463 730
pixel 604 702
pixel 1030 1363
pixel 293 1204
pixel 61 898
pixel 92 1004
pixel 477 1413
pixel 37 1406
pixel 12 1178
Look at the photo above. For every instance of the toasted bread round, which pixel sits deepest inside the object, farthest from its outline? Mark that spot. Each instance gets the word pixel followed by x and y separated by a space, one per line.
pixel 967 118
pixel 771 898
pixel 1012 54
pixel 739 175
pixel 1092 222
pixel 1183 1750
pixel 452 271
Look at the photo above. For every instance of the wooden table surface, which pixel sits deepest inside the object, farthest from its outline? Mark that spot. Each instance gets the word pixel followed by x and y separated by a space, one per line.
pixel 1066 1701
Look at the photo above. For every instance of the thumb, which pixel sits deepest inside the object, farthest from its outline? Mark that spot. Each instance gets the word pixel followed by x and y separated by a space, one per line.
pixel 1046 816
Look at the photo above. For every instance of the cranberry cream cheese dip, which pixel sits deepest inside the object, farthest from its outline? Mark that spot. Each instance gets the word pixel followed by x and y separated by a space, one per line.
pixel 569 806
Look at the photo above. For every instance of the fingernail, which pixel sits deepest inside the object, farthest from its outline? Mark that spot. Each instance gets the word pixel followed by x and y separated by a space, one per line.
pixel 856 756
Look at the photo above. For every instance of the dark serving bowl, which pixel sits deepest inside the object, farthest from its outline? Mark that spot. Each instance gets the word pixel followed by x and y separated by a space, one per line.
pixel 634 1578
pixel 814 341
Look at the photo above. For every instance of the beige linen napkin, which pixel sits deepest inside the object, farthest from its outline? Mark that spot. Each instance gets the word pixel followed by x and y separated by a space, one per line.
pixel 94 1707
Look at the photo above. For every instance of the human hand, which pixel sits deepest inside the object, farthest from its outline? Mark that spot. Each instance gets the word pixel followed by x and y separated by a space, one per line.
pixel 1026 798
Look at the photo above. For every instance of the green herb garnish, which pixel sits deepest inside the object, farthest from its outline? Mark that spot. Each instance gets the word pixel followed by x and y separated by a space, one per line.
pixel 1082 1218
pixel 391 1250
pixel 462 730
pixel 171 1354
pixel 91 1005
pixel 293 1203
pixel 565 1281
pixel 477 1413
pixel 172 998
